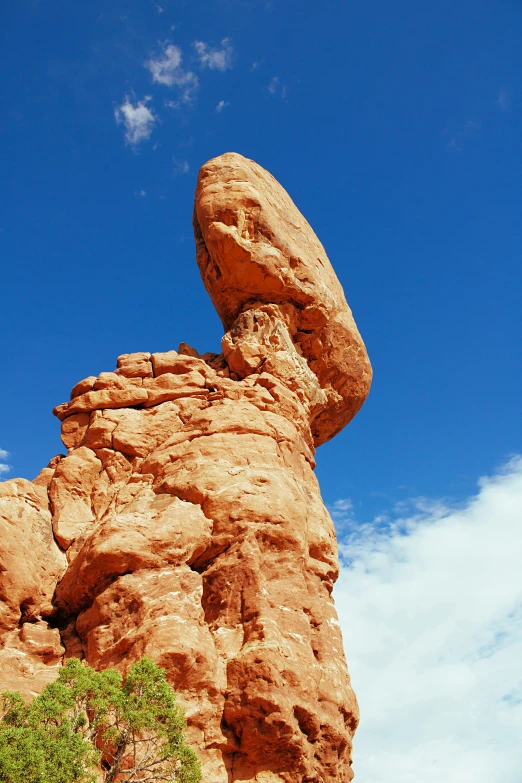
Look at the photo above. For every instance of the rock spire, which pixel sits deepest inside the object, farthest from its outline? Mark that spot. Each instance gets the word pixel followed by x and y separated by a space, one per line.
pixel 186 521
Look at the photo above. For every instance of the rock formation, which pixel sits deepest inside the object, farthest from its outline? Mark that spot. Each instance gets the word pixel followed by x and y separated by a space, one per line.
pixel 186 522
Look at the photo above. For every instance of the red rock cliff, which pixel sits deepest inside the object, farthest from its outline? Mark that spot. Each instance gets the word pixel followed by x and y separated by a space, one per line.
pixel 186 521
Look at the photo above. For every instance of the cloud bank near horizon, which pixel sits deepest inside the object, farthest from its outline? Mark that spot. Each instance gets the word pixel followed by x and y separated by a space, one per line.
pixel 430 603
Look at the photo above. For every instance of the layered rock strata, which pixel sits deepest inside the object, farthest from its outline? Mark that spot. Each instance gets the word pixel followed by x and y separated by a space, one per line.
pixel 186 522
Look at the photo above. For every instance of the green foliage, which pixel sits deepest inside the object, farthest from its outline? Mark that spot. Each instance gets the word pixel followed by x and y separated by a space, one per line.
pixel 133 730
pixel 36 747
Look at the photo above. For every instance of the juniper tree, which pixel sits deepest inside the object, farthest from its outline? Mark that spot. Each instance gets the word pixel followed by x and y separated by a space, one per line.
pixel 129 730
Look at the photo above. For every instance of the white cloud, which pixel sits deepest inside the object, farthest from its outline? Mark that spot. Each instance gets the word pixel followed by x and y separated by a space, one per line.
pixel 276 88
pixel 167 69
pixel 4 467
pixel 342 514
pixel 221 105
pixel 215 59
pixel 141 193
pixel 137 119
pixel 503 100
pixel 431 610
pixel 342 507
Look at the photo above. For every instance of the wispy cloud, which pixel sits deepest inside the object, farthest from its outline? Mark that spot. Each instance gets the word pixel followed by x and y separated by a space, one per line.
pixel 141 193
pixel 276 88
pixel 137 119
pixel 430 601
pixel 215 59
pixel 343 506
pixel 503 100
pixel 221 105
pixel 456 140
pixel 181 166
pixel 167 69
pixel 342 512
pixel 4 467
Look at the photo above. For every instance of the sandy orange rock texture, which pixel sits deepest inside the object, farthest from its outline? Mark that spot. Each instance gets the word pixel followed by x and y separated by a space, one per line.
pixel 185 521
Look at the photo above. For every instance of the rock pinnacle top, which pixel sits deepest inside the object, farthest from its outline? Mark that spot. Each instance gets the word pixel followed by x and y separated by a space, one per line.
pixel 254 248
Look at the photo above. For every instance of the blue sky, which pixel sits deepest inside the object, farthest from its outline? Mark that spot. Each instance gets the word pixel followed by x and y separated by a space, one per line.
pixel 396 127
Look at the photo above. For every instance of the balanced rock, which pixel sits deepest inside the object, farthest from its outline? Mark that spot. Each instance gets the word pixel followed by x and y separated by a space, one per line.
pixel 186 521
pixel 254 248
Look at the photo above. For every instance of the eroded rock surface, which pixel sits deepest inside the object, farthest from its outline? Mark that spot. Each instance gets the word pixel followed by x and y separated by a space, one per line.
pixel 186 522
pixel 31 564
pixel 254 248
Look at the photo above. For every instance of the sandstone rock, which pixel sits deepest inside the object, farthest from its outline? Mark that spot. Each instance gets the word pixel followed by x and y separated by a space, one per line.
pixel 107 398
pixel 171 387
pixel 30 658
pixel 109 380
pixel 42 641
pixel 164 362
pixel 190 514
pixel 30 561
pixel 149 531
pixel 31 564
pixel 70 494
pixel 99 432
pixel 73 430
pixel 45 476
pixel 135 365
pixel 188 350
pixel 254 246
pixel 83 386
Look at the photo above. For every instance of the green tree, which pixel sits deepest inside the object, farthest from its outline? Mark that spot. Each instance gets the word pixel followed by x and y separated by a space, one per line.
pixel 90 725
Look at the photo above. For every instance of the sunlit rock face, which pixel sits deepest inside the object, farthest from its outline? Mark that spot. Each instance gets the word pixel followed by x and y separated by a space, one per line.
pixel 186 523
